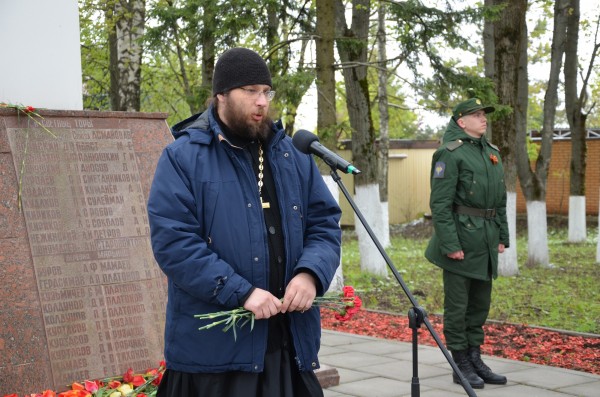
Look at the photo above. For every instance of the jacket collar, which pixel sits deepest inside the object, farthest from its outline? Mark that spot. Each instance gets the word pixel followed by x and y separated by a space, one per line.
pixel 203 127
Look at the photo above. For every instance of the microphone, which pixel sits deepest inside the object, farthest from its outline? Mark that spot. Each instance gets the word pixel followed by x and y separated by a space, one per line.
pixel 308 143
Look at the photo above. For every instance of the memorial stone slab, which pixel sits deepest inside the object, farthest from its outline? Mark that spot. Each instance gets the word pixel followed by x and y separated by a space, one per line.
pixel 82 297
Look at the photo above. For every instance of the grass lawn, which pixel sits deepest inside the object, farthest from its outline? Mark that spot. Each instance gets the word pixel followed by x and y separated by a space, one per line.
pixel 566 296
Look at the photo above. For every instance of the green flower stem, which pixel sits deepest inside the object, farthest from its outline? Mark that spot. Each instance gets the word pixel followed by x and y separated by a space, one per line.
pixel 143 386
pixel 237 318
pixel 21 173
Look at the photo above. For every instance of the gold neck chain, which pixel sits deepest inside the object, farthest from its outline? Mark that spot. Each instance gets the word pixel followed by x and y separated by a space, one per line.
pixel 261 167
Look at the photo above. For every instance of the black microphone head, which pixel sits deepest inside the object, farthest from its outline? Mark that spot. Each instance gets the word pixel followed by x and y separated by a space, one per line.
pixel 302 140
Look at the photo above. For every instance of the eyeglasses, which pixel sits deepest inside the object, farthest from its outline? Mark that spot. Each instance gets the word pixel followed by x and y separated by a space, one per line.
pixel 251 92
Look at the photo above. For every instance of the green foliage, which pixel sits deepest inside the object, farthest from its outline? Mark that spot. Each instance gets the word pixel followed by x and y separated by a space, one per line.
pixel 593 119
pixel 161 91
pixel 421 32
pixel 430 45
pixel 535 107
pixel 565 296
pixel 290 89
pixel 533 149
pixel 402 121
pixel 94 56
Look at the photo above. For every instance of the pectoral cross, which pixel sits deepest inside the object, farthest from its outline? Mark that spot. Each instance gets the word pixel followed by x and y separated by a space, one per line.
pixel 260 177
pixel 265 204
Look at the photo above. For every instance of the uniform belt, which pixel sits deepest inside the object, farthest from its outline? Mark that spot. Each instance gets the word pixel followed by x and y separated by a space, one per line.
pixel 487 213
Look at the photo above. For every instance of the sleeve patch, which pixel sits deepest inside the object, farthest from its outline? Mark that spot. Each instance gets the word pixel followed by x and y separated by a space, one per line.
pixel 439 169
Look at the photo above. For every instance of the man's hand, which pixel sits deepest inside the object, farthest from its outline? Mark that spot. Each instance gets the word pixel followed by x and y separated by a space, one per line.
pixel 263 304
pixel 300 293
pixel 501 248
pixel 458 255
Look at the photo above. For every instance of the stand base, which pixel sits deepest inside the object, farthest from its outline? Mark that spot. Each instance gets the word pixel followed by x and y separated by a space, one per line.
pixel 327 376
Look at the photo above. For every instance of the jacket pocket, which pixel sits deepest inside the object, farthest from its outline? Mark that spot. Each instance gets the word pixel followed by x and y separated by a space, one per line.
pixel 470 232
pixel 210 195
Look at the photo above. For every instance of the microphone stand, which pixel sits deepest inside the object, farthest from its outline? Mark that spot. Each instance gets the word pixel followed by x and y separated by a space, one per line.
pixel 416 315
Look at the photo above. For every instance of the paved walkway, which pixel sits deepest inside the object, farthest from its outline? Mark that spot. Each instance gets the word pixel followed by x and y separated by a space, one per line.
pixel 372 367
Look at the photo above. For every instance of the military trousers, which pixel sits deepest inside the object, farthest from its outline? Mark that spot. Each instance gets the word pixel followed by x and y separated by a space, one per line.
pixel 466 308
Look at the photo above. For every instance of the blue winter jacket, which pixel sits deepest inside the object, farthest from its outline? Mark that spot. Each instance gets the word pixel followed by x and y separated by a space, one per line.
pixel 208 236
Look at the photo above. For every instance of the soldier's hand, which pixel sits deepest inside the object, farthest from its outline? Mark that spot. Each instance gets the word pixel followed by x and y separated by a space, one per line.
pixel 458 255
pixel 501 248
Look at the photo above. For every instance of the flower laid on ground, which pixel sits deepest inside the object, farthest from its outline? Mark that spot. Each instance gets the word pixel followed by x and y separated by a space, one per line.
pixel 128 385
pixel 344 306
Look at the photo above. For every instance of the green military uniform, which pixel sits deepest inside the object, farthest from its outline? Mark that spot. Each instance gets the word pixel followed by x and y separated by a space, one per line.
pixel 468 204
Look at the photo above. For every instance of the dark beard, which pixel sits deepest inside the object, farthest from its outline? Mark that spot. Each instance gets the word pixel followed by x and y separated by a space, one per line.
pixel 242 129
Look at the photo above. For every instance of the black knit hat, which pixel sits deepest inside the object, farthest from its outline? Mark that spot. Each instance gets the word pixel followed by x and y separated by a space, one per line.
pixel 238 67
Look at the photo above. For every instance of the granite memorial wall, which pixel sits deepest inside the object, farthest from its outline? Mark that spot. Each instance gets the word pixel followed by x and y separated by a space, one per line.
pixel 82 297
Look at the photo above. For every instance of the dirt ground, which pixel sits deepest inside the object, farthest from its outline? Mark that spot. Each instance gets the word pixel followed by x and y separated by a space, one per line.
pixel 423 228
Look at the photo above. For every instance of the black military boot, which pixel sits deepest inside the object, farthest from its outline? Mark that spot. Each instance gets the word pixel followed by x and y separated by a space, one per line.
pixel 483 370
pixel 462 361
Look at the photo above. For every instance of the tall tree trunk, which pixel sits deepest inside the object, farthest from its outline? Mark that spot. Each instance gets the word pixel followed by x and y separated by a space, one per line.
pixel 533 184
pixel 113 59
pixel 598 244
pixel 326 113
pixel 384 137
pixel 489 57
pixel 521 130
pixel 129 20
pixel 280 55
pixel 509 34
pixel 207 39
pixel 180 52
pixel 352 47
pixel 577 225
pixel 293 103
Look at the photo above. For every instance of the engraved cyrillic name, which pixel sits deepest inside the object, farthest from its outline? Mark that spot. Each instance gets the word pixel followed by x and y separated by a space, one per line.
pixel 85 212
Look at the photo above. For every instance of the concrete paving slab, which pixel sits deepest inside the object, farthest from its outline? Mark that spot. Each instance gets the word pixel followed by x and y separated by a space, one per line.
pixel 327 350
pixel 378 347
pixel 403 371
pixel 374 387
pixel 425 355
pixel 437 393
pixel 551 378
pixel 355 360
pixel 591 389
pixel 350 375
pixel 517 390
pixel 373 367
pixel 331 393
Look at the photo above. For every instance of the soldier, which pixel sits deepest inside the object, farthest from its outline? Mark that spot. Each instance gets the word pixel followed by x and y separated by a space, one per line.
pixel 468 204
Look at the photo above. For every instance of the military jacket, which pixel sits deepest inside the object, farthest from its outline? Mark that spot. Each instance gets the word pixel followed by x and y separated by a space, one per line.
pixel 467 172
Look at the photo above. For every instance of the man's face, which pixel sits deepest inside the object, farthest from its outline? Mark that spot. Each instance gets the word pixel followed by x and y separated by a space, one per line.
pixel 474 124
pixel 245 111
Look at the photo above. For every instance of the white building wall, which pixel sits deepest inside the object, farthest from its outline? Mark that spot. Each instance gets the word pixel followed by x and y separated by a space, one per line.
pixel 40 59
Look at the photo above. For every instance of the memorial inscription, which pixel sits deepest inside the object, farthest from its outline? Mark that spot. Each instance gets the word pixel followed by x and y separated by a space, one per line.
pixel 102 296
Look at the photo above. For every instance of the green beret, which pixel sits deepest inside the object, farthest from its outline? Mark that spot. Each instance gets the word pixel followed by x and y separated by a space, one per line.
pixel 470 106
